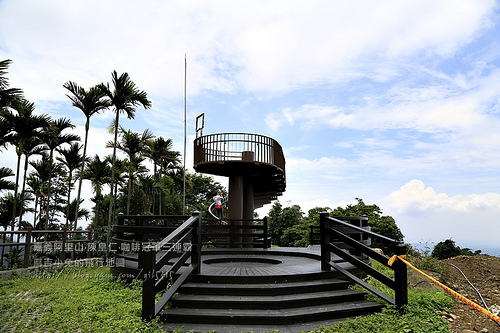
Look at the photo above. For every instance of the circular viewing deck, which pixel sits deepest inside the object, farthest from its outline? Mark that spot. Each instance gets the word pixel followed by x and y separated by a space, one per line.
pixel 256 157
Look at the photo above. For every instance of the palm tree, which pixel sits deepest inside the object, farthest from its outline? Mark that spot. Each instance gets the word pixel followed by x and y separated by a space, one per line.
pixel 70 212
pixel 7 95
pixel 24 126
pixel 33 146
pixel 71 159
pixel 146 184
pixel 7 208
pixel 99 174
pixel 133 144
pixel 160 152
pixel 38 180
pixel 124 97
pixel 53 138
pixel 4 183
pixel 36 188
pixel 5 128
pixel 89 102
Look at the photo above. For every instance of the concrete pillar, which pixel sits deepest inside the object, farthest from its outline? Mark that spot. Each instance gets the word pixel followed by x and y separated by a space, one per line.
pixel 235 203
pixel 248 209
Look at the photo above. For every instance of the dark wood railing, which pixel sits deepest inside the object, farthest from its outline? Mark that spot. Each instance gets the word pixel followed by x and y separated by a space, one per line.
pixel 224 147
pixel 333 232
pixel 236 233
pixel 30 241
pixel 182 242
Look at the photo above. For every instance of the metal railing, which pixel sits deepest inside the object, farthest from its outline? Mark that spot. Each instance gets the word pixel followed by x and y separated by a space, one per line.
pixel 182 242
pixel 224 147
pixel 30 241
pixel 236 233
pixel 332 230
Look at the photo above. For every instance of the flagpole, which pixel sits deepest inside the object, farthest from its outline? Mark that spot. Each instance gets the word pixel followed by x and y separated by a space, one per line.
pixel 184 180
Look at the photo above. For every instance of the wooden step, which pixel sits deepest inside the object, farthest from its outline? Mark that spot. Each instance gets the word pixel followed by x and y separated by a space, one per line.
pixel 271 302
pixel 267 289
pixel 308 298
pixel 267 316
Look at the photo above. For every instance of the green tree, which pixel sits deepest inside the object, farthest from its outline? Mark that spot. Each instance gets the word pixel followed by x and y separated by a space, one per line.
pixel 35 185
pixel 133 145
pixel 124 97
pixel 383 225
pixel 71 159
pixel 448 249
pixel 445 249
pixel 161 154
pixel 99 174
pixel 4 131
pixel 7 95
pixel 4 183
pixel 38 181
pixel 32 146
pixel 69 212
pixel 90 102
pixel 54 137
pixel 199 191
pixel 279 220
pixel 7 208
pixel 145 184
pixel 23 126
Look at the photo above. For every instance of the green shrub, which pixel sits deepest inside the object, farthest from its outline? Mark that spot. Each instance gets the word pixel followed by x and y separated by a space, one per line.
pixel 448 249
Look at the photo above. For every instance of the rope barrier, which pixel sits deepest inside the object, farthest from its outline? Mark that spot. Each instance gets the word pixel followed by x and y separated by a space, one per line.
pixel 449 290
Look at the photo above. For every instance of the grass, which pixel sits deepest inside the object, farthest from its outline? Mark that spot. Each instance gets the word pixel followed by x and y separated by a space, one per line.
pixel 419 316
pixel 90 300
pixel 71 300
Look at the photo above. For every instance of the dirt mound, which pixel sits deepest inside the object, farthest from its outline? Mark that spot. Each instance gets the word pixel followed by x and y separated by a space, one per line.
pixel 484 273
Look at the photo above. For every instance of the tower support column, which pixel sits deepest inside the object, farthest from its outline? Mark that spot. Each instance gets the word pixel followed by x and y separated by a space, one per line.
pixel 248 209
pixel 235 204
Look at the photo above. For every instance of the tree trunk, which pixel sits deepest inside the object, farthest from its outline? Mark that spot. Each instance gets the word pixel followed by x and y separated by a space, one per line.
pixel 82 167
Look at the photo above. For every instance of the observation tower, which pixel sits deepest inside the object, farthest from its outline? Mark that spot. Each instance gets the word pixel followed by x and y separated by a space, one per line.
pixel 254 163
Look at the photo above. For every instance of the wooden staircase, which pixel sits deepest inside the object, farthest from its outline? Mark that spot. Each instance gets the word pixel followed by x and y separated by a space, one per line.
pixel 290 303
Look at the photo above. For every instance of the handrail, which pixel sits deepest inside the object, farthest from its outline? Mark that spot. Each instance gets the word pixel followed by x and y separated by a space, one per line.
pixel 30 233
pixel 224 147
pixel 154 280
pixel 233 232
pixel 211 207
pixel 330 226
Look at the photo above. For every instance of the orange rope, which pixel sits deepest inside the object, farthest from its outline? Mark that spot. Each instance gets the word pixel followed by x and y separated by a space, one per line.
pixel 454 293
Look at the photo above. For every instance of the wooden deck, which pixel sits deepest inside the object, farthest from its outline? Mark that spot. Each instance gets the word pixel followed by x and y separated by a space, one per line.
pixel 260 262
pixel 259 266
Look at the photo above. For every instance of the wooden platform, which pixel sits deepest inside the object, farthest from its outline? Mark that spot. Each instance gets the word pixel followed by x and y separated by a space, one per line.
pixel 260 262
pixel 275 277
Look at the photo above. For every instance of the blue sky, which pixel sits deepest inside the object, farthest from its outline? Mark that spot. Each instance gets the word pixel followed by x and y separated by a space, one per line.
pixel 394 102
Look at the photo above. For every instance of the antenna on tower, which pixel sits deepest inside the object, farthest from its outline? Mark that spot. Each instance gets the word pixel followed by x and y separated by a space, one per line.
pixel 185 134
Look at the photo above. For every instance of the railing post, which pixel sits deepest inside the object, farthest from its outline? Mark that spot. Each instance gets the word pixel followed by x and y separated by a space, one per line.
pixel 400 278
pixel 62 255
pixel 232 235
pixel 325 241
pixel 196 243
pixel 147 262
pixel 311 235
pixel 27 249
pixel 266 234
pixel 89 238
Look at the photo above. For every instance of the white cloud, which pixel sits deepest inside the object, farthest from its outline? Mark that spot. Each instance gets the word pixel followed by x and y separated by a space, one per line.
pixel 261 46
pixel 415 197
pixel 425 215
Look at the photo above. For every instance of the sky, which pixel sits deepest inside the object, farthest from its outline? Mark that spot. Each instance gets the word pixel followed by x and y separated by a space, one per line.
pixel 394 102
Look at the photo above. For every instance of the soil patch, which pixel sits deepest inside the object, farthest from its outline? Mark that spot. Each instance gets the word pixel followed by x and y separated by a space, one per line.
pixel 484 274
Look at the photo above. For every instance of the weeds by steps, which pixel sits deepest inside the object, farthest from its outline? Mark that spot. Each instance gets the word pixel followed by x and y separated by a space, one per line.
pixel 90 300
pixel 72 300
